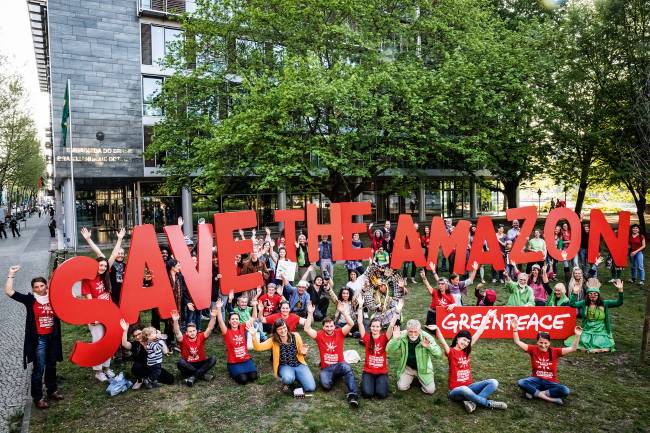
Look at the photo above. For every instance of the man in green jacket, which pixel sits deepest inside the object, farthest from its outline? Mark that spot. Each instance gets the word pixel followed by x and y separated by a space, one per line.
pixel 521 294
pixel 416 349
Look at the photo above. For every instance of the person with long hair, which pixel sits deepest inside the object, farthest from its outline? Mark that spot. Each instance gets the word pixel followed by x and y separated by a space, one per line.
pixel 454 285
pixel 538 281
pixel 440 297
pixel 184 304
pixel 241 367
pixel 376 238
pixel 290 319
pixel 99 288
pixel 543 382
pixel 460 384
pixel 637 245
pixel 596 324
pixel 374 379
pixel 288 357
pixel 558 298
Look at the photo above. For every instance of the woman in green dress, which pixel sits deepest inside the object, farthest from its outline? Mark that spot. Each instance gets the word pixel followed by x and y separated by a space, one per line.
pixel 597 331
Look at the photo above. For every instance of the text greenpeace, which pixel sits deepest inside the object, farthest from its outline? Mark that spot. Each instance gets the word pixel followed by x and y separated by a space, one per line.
pixel 557 321
pixel 144 252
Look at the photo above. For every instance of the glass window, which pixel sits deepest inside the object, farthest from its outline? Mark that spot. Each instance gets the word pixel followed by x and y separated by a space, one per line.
pixel 150 89
pixel 157 44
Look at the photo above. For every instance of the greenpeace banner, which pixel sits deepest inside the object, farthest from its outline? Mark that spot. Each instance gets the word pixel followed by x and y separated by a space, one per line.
pixel 559 322
pixel 144 252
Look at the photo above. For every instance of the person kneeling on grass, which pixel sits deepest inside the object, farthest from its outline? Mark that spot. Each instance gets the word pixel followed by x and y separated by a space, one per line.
pixel 543 382
pixel 194 364
pixel 156 348
pixel 461 387
pixel 416 348
pixel 240 365
pixel 330 345
pixel 138 347
pixel 288 353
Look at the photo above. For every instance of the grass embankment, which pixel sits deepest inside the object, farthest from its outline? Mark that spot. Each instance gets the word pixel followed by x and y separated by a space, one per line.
pixel 610 392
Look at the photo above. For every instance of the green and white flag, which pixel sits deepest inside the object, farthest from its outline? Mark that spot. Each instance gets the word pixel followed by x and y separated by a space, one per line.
pixel 65 116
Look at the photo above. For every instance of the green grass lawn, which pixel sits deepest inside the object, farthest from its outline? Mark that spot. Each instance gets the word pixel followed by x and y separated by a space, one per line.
pixel 610 392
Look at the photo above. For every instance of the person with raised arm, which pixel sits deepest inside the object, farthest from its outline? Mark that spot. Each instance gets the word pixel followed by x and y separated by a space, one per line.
pixel 42 343
pixel 288 357
pixel 454 285
pixel 297 296
pixel 240 365
pixel 116 265
pixel 461 387
pixel 417 348
pixel 194 364
pixel 330 345
pixel 291 320
pixel 543 381
pixel 374 379
pixel 440 297
pixel 521 294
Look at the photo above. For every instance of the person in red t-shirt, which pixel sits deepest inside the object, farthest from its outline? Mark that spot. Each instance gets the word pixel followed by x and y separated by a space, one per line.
pixel 440 297
pixel 240 365
pixel 543 382
pixel 461 387
pixel 637 245
pixel 194 364
pixel 292 320
pixel 42 345
pixel 374 379
pixel 268 304
pixel 330 345
pixel 99 288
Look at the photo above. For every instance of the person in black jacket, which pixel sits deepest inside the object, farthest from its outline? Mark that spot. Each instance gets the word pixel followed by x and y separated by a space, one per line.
pixel 13 225
pixel 42 344
pixel 2 228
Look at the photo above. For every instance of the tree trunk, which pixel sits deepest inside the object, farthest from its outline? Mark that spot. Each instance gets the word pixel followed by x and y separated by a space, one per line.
pixel 646 327
pixel 510 188
pixel 640 210
pixel 582 188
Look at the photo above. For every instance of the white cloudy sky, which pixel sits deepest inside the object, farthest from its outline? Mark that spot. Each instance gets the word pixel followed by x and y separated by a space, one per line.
pixel 16 45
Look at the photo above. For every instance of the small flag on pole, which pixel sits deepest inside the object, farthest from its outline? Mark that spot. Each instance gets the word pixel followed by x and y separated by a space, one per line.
pixel 65 116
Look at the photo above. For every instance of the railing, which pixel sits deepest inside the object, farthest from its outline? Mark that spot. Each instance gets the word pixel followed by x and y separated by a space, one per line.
pixel 165 7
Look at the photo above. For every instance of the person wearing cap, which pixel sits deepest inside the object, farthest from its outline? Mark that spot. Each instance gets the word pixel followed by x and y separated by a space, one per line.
pixel 461 386
pixel 440 297
pixel 297 296
pixel 455 286
pixel 485 299
pixel 597 329
pixel 543 382
pixel 521 294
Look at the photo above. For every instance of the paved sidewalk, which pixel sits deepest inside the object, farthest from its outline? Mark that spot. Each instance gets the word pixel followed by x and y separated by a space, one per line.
pixel 30 251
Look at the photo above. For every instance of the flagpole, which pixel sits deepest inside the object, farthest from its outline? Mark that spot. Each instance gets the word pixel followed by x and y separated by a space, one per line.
pixel 73 217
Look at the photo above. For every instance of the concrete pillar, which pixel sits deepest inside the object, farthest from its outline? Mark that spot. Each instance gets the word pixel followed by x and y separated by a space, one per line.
pixel 472 199
pixel 422 200
pixel 186 209
pixel 69 215
pixel 138 201
pixel 282 204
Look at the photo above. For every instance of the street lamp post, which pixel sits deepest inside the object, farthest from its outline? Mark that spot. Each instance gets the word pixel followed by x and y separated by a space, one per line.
pixel 539 199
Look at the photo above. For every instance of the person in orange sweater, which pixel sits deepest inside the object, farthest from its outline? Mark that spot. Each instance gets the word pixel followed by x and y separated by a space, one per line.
pixel 288 357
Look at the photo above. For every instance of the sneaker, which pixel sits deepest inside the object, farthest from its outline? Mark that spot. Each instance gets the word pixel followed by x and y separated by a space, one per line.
pixel 137 385
pixel 147 384
pixel 482 281
pixel 100 376
pixel 41 404
pixel 494 280
pixel 631 281
pixel 56 395
pixel 501 281
pixel 413 280
pixel 470 406
pixel 204 317
pixel 353 400
pixel 109 373
pixel 155 384
pixel 190 381
pixel 640 283
pixel 498 405
pixel 613 280
pixel 178 349
pixel 207 377
pixel 528 396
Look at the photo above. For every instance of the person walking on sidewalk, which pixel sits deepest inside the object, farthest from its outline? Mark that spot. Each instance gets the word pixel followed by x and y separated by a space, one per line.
pixel 2 228
pixel 42 344
pixel 13 224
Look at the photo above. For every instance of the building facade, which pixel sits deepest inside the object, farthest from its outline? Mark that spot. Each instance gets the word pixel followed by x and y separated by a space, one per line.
pixel 107 53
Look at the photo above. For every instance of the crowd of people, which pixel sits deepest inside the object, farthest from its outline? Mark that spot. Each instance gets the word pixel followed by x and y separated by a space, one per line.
pixel 367 308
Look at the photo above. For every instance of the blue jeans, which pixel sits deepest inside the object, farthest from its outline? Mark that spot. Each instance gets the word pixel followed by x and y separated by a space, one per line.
pixel 478 392
pixel 302 374
pixel 583 261
pixel 191 317
pixel 331 373
pixel 374 385
pixel 637 266
pixel 534 384
pixel 44 363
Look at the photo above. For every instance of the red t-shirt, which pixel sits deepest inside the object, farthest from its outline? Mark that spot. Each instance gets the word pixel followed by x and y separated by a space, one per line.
pixel 193 351
pixel 95 288
pixel 460 371
pixel 424 241
pixel 375 360
pixel 566 236
pixel 44 316
pixel 270 303
pixel 636 242
pixel 542 366
pixel 236 345
pixel 441 301
pixel 292 321
pixel 330 347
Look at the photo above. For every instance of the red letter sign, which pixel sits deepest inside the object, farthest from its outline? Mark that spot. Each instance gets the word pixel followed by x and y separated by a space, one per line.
pixel 333 229
pixel 83 311
pixel 199 281
pixel 617 244
pixel 557 214
pixel 456 241
pixel 407 246
pixel 529 215
pixel 485 233
pixel 228 248
pixel 144 251
pixel 348 228
pixel 289 217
